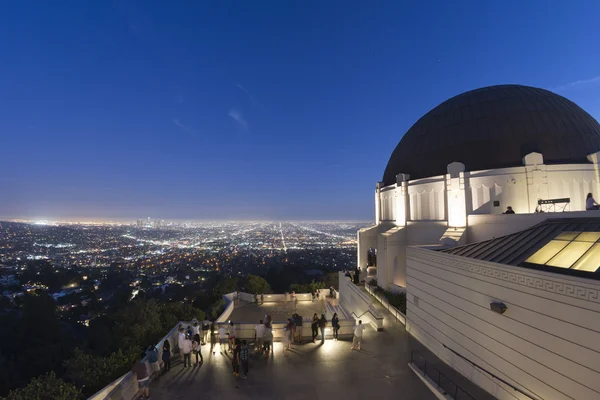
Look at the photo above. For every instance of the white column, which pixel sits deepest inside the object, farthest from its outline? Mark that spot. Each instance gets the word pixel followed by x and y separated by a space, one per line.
pixel 378 203
pixel 456 196
pixel 537 179
pixel 402 199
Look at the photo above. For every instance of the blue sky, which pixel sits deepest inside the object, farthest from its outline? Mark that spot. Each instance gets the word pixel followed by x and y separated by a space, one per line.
pixel 252 109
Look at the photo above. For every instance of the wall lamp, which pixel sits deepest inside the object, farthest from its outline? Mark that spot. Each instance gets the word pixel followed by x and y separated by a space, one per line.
pixel 498 306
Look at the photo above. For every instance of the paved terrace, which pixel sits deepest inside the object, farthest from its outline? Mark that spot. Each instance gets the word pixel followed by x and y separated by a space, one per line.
pixel 309 371
pixel 251 313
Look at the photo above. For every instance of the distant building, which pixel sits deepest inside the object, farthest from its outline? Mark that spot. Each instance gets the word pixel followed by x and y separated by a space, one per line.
pixel 446 186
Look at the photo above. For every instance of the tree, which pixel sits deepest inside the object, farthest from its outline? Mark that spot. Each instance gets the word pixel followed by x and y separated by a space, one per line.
pixel 92 373
pixel 226 285
pixel 46 387
pixel 256 284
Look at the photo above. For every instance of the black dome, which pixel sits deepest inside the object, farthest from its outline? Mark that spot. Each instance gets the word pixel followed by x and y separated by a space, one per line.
pixel 495 127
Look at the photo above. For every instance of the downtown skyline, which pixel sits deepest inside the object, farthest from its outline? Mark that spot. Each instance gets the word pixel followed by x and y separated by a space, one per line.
pixel 124 110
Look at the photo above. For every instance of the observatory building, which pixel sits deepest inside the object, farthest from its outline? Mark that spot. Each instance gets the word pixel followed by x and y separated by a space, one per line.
pixel 509 299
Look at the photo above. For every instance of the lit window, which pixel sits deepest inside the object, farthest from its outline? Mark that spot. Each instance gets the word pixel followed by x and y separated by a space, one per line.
pixel 570 254
pixel 590 261
pixel 567 235
pixel 543 255
pixel 588 237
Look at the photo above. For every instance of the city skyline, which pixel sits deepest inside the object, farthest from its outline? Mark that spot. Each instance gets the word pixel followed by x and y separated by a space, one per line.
pixel 119 110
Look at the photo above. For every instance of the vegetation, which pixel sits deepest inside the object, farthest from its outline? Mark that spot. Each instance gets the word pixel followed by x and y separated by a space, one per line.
pixel 398 300
pixel 256 284
pixel 46 387
pixel 47 354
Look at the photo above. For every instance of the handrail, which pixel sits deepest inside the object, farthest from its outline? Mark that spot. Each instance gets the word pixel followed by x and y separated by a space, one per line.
pixel 492 375
pixel 457 389
pixel 386 303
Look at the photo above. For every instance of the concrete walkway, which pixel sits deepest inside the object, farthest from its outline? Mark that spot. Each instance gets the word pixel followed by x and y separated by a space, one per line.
pixel 310 371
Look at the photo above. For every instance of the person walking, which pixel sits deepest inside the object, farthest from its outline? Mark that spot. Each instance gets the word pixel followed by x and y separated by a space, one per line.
pixel 335 324
pixel 322 325
pixel 222 338
pixel 235 361
pixel 143 378
pixel 166 356
pixel 259 332
pixel 315 327
pixel 213 339
pixel 358 334
pixel 197 348
pixel 187 351
pixel 267 338
pixel 244 358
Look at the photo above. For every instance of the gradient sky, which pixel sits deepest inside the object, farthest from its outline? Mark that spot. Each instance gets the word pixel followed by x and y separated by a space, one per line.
pixel 252 109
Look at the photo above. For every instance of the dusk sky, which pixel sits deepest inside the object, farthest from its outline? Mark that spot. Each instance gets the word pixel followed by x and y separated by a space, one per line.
pixel 252 109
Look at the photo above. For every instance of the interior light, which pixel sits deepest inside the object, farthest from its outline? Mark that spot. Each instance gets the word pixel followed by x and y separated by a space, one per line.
pixel 570 254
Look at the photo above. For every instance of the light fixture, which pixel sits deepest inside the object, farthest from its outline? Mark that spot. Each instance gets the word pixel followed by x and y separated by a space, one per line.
pixel 498 306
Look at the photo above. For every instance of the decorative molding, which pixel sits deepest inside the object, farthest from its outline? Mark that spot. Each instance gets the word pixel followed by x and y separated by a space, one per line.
pixel 535 282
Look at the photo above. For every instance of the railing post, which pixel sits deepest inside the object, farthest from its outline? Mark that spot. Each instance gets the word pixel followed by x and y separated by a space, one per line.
pixel 439 378
pixel 455 390
pixel 425 368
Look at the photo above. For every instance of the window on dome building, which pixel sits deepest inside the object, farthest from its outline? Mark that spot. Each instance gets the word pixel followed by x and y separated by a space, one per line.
pixel 573 250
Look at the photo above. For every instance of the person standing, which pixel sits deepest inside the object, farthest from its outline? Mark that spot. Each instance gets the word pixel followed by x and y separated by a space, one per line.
pixel 195 328
pixel 187 351
pixel 267 338
pixel 222 338
pixel 166 355
pixel 141 372
pixel 315 327
pixel 262 298
pixel 152 356
pixel 231 335
pixel 358 334
pixel 244 358
pixel 205 331
pixel 197 348
pixel 180 340
pixel 335 324
pixel 287 335
pixel 259 332
pixel 322 325
pixel 298 328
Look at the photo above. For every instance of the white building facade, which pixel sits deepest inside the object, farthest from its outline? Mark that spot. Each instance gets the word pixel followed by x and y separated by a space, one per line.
pixel 448 185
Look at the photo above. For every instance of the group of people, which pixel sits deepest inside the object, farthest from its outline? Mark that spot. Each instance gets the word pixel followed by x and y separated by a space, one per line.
pixel 190 340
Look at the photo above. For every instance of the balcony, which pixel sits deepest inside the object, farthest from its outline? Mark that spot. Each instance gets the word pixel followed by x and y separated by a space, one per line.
pixel 309 370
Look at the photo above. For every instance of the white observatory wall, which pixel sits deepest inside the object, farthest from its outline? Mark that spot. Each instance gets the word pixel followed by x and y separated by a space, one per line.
pixel 387 197
pixel 427 199
pixel 546 343
pixel 574 181
pixel 508 186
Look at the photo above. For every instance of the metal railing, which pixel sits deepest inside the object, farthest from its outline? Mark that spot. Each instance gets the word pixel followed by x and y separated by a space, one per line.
pixel 492 375
pixel 397 314
pixel 445 384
